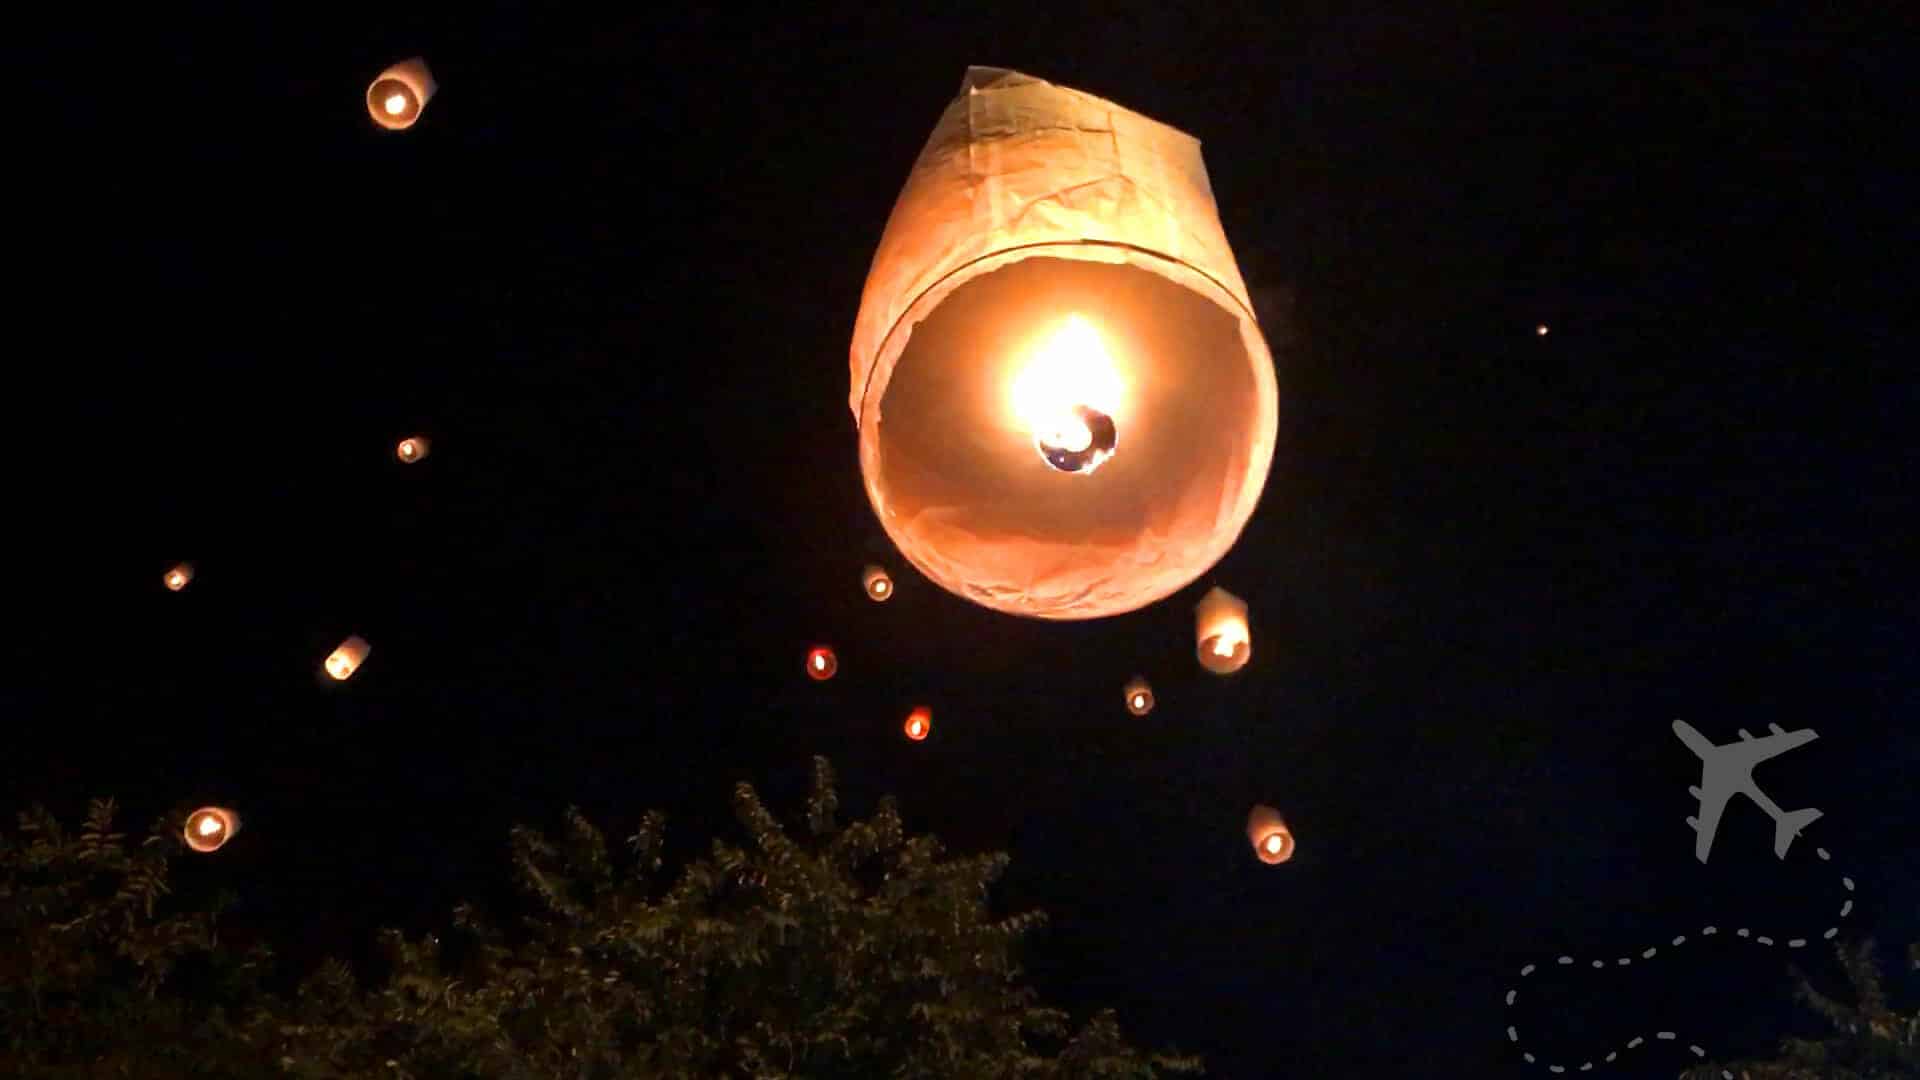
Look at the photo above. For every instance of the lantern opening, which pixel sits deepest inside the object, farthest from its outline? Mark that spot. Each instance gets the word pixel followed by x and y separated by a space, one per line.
pixel 178 577
pixel 879 585
pixel 992 379
pixel 919 723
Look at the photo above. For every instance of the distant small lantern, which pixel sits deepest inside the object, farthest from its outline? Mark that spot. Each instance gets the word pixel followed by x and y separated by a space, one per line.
pixel 178 577
pixel 396 98
pixel 412 449
pixel 1272 842
pixel 879 585
pixel 919 724
pixel 821 663
pixel 210 827
pixel 1224 641
pixel 1541 330
pixel 1139 697
pixel 345 660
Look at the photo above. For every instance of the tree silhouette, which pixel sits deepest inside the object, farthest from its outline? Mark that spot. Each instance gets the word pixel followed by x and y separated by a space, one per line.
pixel 851 951
pixel 1871 1041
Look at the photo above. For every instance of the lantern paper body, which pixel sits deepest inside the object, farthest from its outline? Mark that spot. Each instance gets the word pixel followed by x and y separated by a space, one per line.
pixel 1139 697
pixel 821 663
pixel 1223 639
pixel 1053 252
pixel 878 585
pixel 345 660
pixel 178 577
pixel 919 724
pixel 210 827
pixel 1272 843
pixel 412 449
pixel 396 98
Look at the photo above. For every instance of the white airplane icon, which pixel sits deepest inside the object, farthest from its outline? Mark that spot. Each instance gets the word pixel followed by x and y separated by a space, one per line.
pixel 1729 771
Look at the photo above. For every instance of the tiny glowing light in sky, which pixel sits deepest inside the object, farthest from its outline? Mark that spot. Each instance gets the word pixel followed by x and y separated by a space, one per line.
pixel 1541 330
pixel 396 104
pixel 821 663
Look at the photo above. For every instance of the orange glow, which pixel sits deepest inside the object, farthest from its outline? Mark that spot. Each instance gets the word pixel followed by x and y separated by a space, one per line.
pixel 919 724
pixel 210 827
pixel 399 94
pixel 412 448
pixel 345 660
pixel 1139 696
pixel 1272 841
pixel 878 585
pixel 821 663
pixel 178 577
pixel 1224 641
pixel 1071 367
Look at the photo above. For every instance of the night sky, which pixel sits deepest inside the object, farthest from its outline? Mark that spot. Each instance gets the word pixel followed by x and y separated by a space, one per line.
pixel 612 273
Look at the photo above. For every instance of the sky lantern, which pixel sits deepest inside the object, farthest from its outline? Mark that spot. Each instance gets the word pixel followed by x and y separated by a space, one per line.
pixel 1272 841
pixel 178 577
pixel 210 827
pixel 345 660
pixel 1066 407
pixel 821 663
pixel 412 449
pixel 878 585
pixel 1541 331
pixel 1223 640
pixel 1139 696
pixel 919 724
pixel 396 98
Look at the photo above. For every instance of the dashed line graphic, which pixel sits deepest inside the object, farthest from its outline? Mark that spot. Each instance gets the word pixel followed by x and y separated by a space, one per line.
pixel 1637 1041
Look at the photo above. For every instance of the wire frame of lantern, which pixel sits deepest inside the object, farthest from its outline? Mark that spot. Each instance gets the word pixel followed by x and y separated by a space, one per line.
pixel 209 828
pixel 919 724
pixel 878 585
pixel 1139 696
pixel 821 663
pixel 177 578
pixel 1223 640
pixel 1066 406
pixel 396 98
pixel 1271 839
pixel 345 660
pixel 412 448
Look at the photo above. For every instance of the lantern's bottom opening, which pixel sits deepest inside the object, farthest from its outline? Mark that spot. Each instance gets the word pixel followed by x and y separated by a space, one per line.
pixel 1079 444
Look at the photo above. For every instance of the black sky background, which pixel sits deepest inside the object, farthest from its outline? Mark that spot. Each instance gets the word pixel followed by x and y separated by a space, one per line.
pixel 612 273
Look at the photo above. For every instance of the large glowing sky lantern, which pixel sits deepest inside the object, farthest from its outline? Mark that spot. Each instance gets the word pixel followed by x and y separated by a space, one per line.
pixel 1066 407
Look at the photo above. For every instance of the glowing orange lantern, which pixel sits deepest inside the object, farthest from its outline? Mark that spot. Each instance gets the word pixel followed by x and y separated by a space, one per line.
pixel 345 660
pixel 1139 697
pixel 397 97
pixel 1272 842
pixel 878 585
pixel 412 449
pixel 919 724
pixel 178 577
pixel 210 827
pixel 1221 627
pixel 1066 407
pixel 821 663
